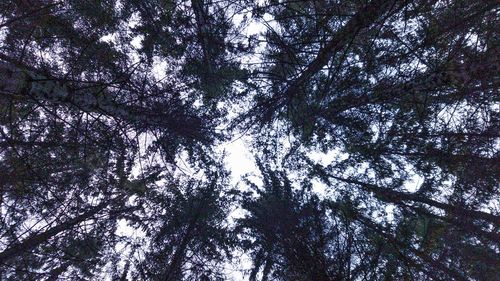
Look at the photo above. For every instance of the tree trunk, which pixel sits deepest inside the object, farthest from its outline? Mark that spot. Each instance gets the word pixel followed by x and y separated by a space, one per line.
pixel 423 256
pixel 18 82
pixel 397 196
pixel 203 33
pixel 35 240
pixel 55 273
pixel 364 18
pixel 174 269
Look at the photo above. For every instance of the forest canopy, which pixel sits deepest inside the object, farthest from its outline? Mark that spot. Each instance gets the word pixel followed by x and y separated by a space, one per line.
pixel 374 127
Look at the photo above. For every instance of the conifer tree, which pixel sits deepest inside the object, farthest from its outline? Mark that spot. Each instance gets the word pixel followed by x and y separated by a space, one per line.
pixel 374 124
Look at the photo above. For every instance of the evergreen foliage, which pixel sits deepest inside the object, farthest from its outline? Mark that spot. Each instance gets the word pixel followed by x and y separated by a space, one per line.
pixel 374 125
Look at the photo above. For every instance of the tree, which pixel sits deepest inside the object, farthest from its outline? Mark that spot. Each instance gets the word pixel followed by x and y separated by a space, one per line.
pixel 97 108
pixel 191 239
pixel 291 235
pixel 114 116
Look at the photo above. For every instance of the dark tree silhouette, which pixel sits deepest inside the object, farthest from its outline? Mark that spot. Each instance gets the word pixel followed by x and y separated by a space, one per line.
pixel 375 125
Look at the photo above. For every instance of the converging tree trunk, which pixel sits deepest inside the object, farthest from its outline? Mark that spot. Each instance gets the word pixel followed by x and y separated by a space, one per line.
pixel 35 240
pixel 18 82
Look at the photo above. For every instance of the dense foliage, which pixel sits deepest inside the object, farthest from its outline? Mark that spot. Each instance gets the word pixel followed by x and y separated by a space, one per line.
pixel 374 125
